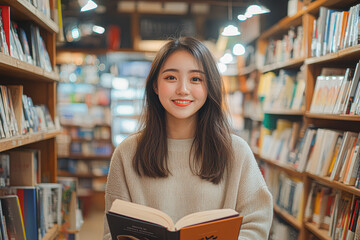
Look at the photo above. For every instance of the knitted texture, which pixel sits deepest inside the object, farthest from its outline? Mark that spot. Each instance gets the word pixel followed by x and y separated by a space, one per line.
pixel 243 187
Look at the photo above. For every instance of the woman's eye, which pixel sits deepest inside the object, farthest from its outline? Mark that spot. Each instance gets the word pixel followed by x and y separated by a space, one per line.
pixel 196 79
pixel 170 78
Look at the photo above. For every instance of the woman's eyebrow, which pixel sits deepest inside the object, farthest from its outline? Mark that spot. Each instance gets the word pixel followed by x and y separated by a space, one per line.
pixel 177 70
pixel 170 70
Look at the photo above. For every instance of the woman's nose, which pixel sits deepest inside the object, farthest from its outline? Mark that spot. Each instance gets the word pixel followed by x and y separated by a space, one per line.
pixel 182 88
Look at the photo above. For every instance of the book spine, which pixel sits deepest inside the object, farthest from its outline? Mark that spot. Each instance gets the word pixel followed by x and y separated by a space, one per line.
pixel 173 235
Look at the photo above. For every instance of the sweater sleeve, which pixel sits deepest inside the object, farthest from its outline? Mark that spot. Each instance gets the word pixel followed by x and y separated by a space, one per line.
pixel 116 187
pixel 254 200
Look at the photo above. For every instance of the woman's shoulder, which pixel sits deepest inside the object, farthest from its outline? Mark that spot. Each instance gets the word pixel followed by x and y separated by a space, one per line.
pixel 240 146
pixel 129 143
pixel 238 142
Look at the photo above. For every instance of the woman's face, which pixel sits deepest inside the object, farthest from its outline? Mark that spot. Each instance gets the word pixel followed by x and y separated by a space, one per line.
pixel 181 86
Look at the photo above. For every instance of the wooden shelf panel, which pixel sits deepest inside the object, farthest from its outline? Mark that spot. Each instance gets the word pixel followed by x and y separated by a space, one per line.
pixel 19 69
pixel 52 233
pixel 247 70
pixel 335 184
pixel 348 54
pixel 292 63
pixel 285 112
pixel 14 142
pixel 84 126
pixel 320 233
pixel 288 169
pixel 62 173
pixel 342 117
pixel 24 10
pixel 289 218
pixel 85 157
pixel 91 140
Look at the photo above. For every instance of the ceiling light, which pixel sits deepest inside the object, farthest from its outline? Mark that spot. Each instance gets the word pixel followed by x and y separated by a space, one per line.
pixel 98 29
pixel 230 30
pixel 227 58
pixel 242 17
pixel 257 9
pixel 90 5
pixel 238 49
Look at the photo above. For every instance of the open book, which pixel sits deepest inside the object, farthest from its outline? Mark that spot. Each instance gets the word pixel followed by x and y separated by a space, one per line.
pixel 131 221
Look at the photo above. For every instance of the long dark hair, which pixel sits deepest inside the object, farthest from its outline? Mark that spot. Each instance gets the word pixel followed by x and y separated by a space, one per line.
pixel 212 143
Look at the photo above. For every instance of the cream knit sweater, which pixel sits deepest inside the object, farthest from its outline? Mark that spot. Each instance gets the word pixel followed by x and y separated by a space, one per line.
pixel 243 187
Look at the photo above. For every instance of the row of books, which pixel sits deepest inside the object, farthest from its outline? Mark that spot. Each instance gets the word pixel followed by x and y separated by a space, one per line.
pixel 281 230
pixel 337 92
pixel 322 152
pixel 75 166
pixel 83 115
pixel 335 30
pixel 331 153
pixel 42 5
pixel 23 42
pixel 91 148
pixel 282 92
pixel 83 93
pixel 88 72
pixel 84 133
pixel 286 190
pixel 88 185
pixel 278 143
pixel 288 194
pixel 18 114
pixel 289 47
pixel 335 211
pixel 29 212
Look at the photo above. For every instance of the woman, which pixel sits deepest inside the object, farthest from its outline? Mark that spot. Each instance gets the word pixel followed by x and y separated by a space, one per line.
pixel 184 159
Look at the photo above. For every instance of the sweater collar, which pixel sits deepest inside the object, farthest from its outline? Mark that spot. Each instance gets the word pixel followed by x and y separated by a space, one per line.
pixel 179 144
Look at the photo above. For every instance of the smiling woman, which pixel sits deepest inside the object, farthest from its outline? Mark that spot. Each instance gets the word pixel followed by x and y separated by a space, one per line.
pixel 181 87
pixel 184 159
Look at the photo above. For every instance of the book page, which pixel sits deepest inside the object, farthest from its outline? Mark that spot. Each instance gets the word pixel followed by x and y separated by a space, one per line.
pixel 142 212
pixel 205 216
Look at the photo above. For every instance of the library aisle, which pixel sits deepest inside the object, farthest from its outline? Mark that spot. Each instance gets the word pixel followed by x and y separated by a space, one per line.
pixel 92 228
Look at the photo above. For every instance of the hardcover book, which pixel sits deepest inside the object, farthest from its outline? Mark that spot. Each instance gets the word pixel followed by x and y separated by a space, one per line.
pixel 133 221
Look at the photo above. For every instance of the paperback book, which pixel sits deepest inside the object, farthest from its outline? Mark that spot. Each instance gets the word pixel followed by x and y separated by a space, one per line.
pixel 133 221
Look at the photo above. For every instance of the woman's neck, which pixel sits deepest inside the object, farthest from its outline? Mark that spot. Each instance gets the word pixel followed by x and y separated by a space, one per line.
pixel 180 128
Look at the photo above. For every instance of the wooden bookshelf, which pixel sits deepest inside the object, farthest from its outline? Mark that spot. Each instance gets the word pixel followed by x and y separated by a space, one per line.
pixel 18 141
pixel 287 217
pixel 341 117
pixel 12 67
pixel 24 10
pixel 292 63
pixel 343 55
pixel 284 167
pixel 335 184
pixel 320 233
pixel 284 112
pixel 39 85
pixel 312 68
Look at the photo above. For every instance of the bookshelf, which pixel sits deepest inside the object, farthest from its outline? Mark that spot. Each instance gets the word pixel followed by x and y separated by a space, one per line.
pixel 311 67
pixel 40 86
pixel 85 144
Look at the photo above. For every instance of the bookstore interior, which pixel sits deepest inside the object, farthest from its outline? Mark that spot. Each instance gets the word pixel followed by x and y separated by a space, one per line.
pixel 72 79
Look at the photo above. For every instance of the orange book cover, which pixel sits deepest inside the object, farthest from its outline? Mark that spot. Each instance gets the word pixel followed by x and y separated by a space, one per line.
pixel 222 229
